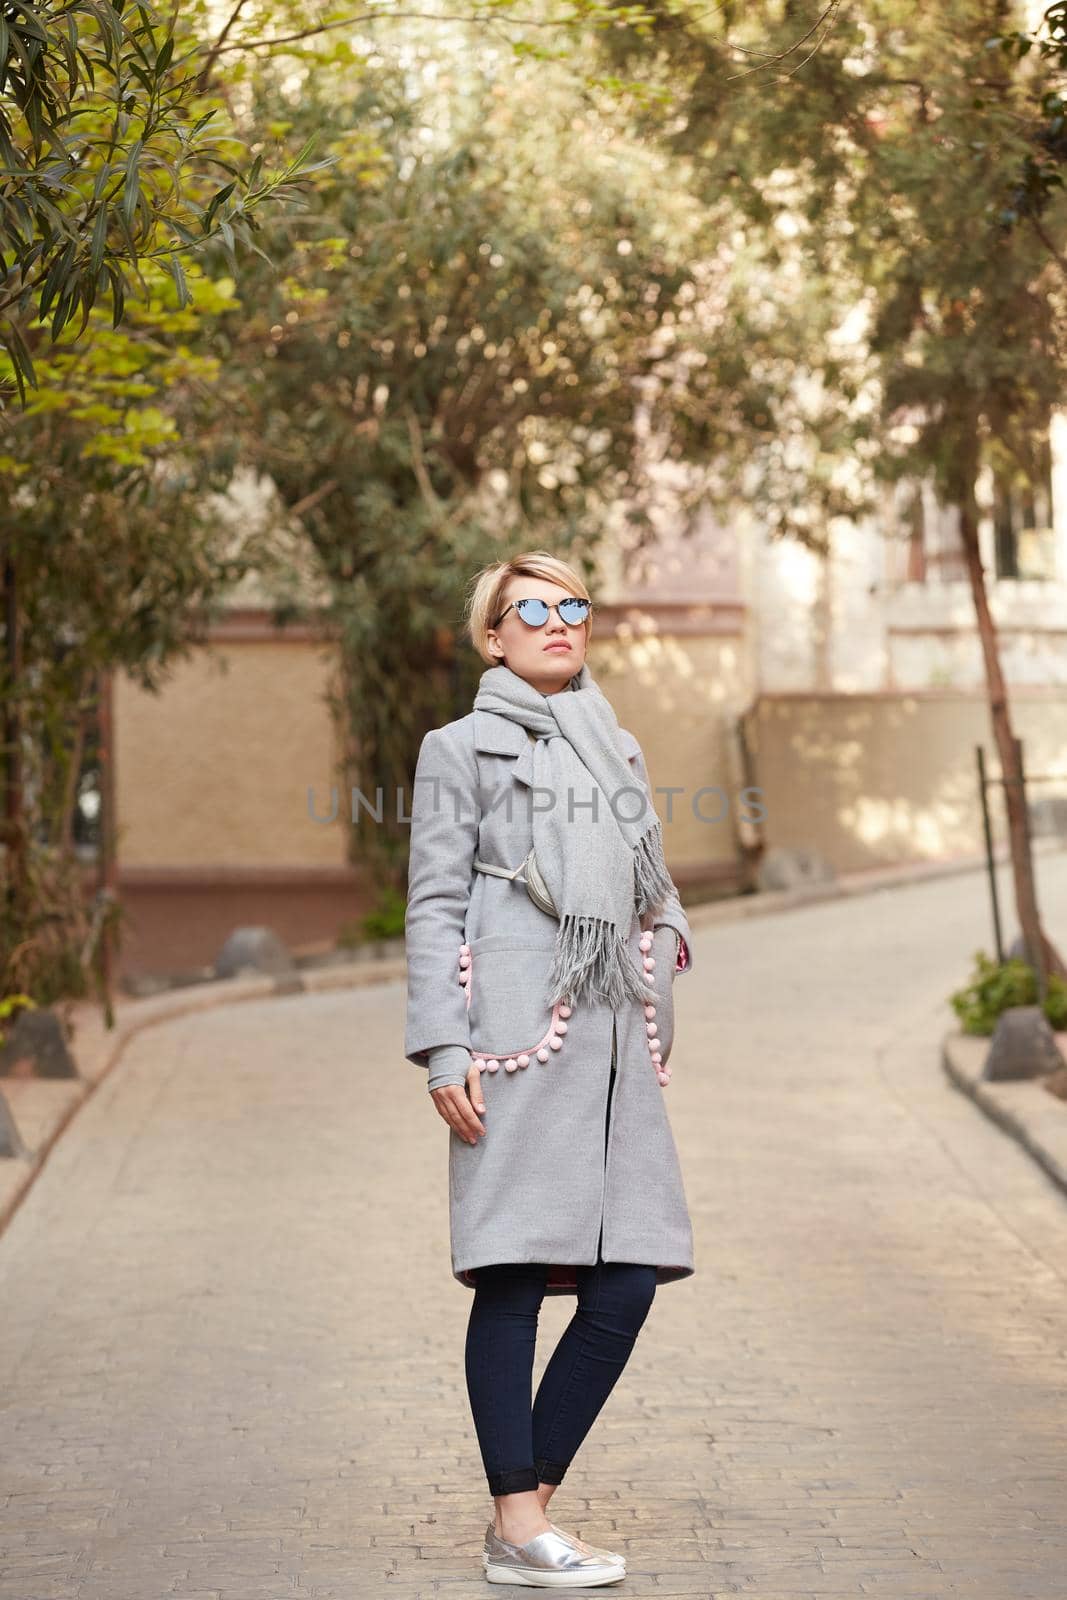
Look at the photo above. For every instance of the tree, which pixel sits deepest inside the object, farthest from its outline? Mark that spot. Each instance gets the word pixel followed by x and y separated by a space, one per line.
pixel 130 153
pixel 111 159
pixel 1039 179
pixel 111 527
pixel 111 174
pixel 451 363
pixel 889 152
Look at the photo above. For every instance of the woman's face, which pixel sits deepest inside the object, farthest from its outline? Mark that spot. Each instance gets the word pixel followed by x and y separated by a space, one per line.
pixel 537 654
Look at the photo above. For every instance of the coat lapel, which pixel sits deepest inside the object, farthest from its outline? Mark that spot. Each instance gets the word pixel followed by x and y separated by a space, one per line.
pixel 499 736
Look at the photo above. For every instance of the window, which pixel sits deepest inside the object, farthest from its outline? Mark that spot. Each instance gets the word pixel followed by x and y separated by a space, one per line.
pixel 1024 544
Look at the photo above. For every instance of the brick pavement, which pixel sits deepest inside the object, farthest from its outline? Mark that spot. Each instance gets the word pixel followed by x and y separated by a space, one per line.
pixel 231 1346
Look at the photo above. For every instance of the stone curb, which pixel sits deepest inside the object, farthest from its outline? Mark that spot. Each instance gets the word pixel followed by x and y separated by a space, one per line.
pixel 1033 1117
pixel 42 1108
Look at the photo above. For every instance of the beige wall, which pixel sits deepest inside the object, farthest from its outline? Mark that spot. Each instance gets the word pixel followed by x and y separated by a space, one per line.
pixel 680 695
pixel 215 769
pixel 875 779
pixel 212 777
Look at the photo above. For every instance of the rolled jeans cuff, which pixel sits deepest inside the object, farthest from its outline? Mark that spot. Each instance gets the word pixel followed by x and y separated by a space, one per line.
pixel 551 1471
pixel 516 1480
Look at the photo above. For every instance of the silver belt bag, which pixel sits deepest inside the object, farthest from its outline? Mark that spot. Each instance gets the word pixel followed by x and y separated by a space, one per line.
pixel 526 873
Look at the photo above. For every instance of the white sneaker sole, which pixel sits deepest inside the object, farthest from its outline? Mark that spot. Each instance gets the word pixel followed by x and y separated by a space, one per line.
pixel 545 1578
pixel 485 1561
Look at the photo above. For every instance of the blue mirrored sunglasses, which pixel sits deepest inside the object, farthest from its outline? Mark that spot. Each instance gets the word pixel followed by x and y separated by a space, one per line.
pixel 535 613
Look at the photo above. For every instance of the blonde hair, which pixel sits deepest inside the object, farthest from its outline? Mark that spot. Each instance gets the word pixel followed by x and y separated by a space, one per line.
pixel 486 597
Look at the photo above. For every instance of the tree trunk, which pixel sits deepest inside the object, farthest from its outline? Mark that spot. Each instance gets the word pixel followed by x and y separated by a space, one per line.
pixel 15 888
pixel 68 805
pixel 1043 956
pixel 107 882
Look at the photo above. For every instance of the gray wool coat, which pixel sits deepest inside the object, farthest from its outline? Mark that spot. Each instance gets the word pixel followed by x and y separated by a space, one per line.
pixel 571 1158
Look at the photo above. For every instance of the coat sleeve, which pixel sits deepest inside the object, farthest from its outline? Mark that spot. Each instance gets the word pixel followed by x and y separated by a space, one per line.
pixel 672 915
pixel 443 844
pixel 449 1064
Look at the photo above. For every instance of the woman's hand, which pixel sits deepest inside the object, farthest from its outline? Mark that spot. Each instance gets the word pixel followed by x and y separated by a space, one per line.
pixel 458 1110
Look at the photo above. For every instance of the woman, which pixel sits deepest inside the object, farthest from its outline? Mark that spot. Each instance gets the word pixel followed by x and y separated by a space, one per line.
pixel 540 998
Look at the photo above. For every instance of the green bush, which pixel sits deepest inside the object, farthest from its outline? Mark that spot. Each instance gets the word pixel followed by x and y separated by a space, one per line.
pixel 383 921
pixel 995 985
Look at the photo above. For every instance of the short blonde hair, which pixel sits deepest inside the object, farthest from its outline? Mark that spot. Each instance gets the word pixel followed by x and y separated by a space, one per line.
pixel 487 591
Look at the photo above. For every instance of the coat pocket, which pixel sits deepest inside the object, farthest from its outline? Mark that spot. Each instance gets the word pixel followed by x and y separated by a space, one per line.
pixel 508 1010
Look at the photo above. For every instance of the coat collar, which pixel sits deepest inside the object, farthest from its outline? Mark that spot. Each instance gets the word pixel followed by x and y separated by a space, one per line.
pixel 499 736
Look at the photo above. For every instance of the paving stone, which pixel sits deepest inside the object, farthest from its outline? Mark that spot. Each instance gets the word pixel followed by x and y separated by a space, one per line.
pixel 232 1347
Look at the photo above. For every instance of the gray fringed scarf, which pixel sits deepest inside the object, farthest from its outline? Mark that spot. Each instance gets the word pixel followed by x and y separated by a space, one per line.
pixel 599 867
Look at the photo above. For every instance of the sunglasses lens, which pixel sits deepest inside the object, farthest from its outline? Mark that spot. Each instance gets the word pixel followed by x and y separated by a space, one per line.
pixel 536 612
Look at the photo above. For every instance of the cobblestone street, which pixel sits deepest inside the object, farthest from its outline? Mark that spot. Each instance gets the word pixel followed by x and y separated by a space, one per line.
pixel 232 1347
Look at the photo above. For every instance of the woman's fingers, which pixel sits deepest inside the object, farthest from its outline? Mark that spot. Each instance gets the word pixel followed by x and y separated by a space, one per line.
pixel 448 1101
pixel 459 1111
pixel 467 1124
pixel 474 1088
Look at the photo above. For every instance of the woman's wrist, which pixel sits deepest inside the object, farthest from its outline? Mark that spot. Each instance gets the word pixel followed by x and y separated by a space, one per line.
pixel 449 1064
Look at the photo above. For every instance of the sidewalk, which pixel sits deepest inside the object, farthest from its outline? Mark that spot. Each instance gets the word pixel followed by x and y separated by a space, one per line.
pixel 42 1108
pixel 233 1347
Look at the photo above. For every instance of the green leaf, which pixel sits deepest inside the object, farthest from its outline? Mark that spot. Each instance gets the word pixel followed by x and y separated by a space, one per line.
pixel 132 182
pixel 20 356
pixel 118 294
pixel 178 274
pixel 57 276
pixel 65 309
pixel 217 200
pixel 96 253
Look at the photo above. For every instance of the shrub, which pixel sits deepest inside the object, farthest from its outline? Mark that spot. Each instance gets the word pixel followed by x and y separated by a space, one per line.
pixel 383 921
pixel 995 985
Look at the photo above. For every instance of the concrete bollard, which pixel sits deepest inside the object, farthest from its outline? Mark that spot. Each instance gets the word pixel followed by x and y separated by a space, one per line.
pixel 1023 1046
pixel 35 1047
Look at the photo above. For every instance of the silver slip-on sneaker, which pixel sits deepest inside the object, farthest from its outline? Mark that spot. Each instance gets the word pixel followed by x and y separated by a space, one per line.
pixel 598 1550
pixel 549 1560
pixel 595 1549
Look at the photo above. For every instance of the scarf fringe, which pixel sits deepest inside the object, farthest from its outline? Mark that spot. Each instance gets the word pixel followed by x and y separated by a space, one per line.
pixel 592 959
pixel 652 882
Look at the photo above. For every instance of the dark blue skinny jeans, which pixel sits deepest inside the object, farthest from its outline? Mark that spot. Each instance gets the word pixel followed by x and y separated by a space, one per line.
pixel 521 1448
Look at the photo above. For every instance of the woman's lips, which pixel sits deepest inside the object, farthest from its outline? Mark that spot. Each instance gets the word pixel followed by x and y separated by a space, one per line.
pixel 557 647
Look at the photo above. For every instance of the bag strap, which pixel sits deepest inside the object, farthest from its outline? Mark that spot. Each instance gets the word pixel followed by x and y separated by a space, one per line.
pixel 499 872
